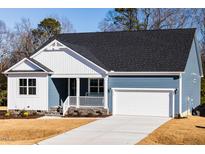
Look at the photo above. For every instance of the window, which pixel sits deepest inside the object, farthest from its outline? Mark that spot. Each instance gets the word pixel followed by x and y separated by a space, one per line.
pixel 22 86
pixel 96 85
pixel 27 86
pixel 32 86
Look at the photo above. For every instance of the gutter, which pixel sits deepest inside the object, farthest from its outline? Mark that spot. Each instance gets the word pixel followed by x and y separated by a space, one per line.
pixel 112 73
pixel 27 73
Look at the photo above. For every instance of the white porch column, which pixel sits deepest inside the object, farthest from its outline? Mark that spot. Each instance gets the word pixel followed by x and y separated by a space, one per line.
pixel 78 92
pixel 106 92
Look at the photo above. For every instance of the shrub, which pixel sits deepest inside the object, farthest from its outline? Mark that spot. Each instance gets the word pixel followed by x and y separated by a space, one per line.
pixel 7 114
pixel 25 113
pixel 3 97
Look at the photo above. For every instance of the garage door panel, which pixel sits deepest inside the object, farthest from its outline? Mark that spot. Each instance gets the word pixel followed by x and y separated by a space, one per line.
pixel 152 103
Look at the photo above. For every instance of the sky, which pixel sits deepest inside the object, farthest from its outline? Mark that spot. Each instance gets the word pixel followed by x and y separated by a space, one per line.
pixel 83 20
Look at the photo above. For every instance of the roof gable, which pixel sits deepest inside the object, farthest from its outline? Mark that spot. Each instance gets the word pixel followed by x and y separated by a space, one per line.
pixel 63 53
pixel 67 62
pixel 28 65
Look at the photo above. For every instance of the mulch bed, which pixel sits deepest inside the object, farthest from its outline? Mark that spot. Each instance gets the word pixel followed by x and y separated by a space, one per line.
pixel 12 116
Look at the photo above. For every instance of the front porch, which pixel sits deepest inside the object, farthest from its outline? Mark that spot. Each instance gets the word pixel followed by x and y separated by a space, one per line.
pixel 77 93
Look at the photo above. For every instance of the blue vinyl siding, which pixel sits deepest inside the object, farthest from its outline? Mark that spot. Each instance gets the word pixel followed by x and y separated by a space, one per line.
pixel 58 91
pixel 191 81
pixel 144 82
pixel 53 95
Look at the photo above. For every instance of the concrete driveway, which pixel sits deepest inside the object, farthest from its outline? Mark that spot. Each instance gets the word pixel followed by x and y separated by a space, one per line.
pixel 114 130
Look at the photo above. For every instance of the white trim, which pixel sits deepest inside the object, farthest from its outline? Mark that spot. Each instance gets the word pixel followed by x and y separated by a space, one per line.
pixel 55 47
pixel 173 104
pixel 76 76
pixel 172 90
pixel 98 86
pixel 6 72
pixel 14 66
pixel 26 73
pixel 36 65
pixel 47 92
pixel 143 73
pixel 71 51
pixel 145 89
pixel 42 49
pixel 27 87
pixel 180 94
pixel 78 92
pixel 106 92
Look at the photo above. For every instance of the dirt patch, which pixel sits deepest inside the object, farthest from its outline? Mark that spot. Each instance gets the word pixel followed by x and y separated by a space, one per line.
pixel 31 131
pixel 188 131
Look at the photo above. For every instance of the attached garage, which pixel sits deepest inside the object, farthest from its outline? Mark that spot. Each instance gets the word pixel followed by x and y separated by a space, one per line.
pixel 145 102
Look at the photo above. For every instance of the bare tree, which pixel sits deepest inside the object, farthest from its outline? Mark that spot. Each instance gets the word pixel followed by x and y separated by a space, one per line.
pixel 5 49
pixel 170 18
pixel 2 31
pixel 22 43
pixel 147 18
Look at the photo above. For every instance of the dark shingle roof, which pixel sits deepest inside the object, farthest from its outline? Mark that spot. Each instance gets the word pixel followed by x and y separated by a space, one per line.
pixel 143 51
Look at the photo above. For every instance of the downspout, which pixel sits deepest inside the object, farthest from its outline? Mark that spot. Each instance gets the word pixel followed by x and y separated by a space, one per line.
pixel 180 95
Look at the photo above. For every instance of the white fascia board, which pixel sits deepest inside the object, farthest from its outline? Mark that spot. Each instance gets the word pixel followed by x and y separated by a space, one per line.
pixel 27 73
pixel 76 76
pixel 69 50
pixel 37 65
pixel 6 72
pixel 42 49
pixel 144 73
pixel 145 89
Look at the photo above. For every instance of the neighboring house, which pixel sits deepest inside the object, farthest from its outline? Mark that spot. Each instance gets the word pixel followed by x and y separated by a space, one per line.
pixel 153 72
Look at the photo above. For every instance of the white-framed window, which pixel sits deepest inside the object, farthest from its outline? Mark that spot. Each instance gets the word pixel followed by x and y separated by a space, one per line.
pixel 23 86
pixel 27 86
pixel 96 85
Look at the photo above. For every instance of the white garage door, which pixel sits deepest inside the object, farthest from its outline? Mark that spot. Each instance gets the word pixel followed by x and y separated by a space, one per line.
pixel 142 102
